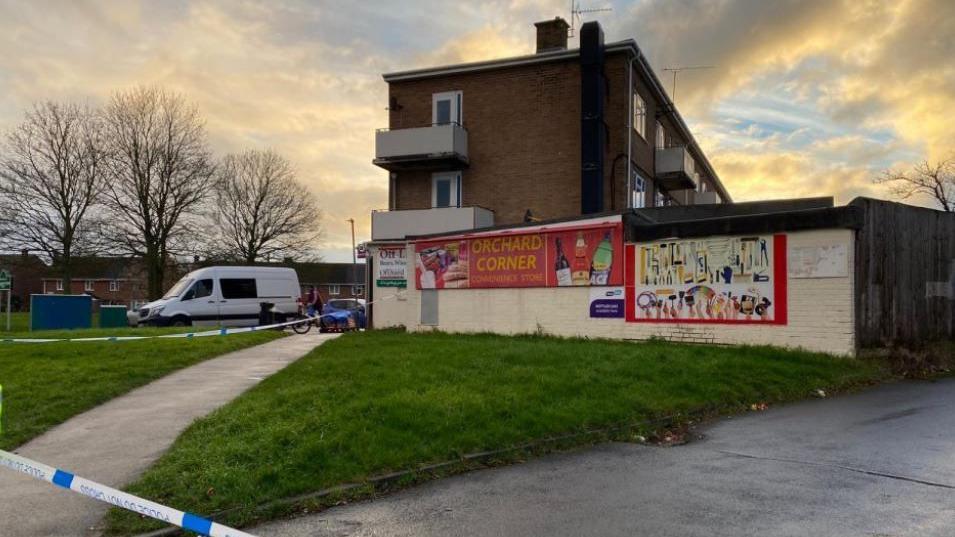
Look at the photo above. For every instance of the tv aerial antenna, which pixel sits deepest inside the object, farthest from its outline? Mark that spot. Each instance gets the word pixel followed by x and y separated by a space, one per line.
pixel 576 15
pixel 678 70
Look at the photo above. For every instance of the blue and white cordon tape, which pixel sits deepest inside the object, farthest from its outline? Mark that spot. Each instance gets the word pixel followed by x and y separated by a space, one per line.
pixel 92 489
pixel 186 335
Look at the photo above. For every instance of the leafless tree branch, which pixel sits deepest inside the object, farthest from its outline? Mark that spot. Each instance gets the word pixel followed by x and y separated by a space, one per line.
pixel 261 211
pixel 936 181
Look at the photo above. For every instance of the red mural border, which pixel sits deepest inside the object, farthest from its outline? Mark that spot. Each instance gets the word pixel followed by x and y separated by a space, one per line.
pixel 780 290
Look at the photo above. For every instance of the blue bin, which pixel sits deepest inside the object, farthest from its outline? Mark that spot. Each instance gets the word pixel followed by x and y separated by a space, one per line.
pixel 54 312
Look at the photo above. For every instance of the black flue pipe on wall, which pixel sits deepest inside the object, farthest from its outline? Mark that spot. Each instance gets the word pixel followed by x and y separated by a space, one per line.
pixel 593 91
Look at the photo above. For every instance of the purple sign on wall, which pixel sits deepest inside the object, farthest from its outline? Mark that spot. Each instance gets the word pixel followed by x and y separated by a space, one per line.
pixel 607 303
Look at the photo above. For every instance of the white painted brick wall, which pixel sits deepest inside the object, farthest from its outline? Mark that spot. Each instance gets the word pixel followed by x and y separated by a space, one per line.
pixel 821 311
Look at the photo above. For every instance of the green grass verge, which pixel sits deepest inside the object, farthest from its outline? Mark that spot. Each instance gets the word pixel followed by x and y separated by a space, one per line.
pixel 45 384
pixel 370 403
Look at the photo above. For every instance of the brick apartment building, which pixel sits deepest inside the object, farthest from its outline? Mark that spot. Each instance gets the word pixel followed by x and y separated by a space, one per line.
pixel 109 280
pixel 560 133
pixel 27 271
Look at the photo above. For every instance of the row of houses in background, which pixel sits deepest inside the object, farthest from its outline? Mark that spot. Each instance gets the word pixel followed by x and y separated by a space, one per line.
pixel 122 280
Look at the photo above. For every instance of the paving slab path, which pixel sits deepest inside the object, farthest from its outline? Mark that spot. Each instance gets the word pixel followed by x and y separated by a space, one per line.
pixel 115 442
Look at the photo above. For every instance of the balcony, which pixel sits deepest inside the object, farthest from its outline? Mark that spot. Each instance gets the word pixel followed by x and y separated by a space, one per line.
pixel 398 224
pixel 437 147
pixel 675 169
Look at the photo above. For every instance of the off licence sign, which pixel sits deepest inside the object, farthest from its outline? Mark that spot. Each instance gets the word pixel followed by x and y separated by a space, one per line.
pixel 4 280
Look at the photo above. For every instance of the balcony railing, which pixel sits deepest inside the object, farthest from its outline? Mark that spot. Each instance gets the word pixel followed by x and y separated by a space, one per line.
pixel 675 169
pixel 439 146
pixel 398 224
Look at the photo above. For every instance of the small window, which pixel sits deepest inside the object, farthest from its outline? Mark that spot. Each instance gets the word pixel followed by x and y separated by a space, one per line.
pixel 238 288
pixel 200 289
pixel 639 115
pixel 638 196
pixel 59 285
pixel 334 290
pixel 661 136
pixel 88 286
pixel 357 290
pixel 661 199
pixel 113 286
pixel 446 190
pixel 446 108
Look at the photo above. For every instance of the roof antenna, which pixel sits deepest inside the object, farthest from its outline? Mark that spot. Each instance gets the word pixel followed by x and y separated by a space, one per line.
pixel 576 12
pixel 676 70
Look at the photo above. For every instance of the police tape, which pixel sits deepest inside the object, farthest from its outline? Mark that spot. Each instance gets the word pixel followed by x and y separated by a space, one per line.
pixel 189 335
pixel 118 498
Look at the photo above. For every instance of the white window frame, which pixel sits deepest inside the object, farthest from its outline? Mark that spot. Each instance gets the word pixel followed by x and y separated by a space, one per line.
pixel 455 178
pixel 661 136
pixel 334 290
pixel 113 286
pixel 358 290
pixel 88 285
pixel 457 106
pixel 638 194
pixel 59 284
pixel 639 114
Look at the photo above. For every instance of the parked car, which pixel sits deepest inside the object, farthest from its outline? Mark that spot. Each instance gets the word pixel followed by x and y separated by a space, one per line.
pixel 223 296
pixel 354 306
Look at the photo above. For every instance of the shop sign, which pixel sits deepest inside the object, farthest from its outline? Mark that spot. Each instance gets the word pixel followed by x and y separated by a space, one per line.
pixel 584 256
pixel 391 267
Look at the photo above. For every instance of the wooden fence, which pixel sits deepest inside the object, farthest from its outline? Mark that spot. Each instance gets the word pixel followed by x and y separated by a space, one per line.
pixel 905 274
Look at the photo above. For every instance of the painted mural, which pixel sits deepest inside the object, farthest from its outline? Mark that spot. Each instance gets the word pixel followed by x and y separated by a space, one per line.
pixel 710 280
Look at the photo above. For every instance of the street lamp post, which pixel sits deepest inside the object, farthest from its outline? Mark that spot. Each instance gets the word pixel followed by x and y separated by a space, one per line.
pixel 353 260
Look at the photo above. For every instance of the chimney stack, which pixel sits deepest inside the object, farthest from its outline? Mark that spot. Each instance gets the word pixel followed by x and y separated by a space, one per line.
pixel 551 35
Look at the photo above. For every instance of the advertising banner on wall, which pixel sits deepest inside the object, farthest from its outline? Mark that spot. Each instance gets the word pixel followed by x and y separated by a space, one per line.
pixel 729 279
pixel 584 256
pixel 607 303
pixel 391 267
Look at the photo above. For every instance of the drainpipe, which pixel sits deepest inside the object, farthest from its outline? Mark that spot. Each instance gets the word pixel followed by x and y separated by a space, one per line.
pixel 630 130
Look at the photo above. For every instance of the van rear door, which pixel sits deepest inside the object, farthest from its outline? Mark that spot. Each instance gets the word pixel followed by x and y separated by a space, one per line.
pixel 239 305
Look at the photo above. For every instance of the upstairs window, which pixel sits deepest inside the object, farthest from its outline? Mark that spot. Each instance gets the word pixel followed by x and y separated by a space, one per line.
pixel 59 285
pixel 638 193
pixel 113 285
pixel 639 115
pixel 88 286
pixel 446 108
pixel 446 189
pixel 661 136
pixel 334 290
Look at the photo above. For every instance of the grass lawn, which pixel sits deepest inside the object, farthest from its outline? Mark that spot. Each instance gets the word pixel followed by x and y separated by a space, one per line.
pixel 44 384
pixel 19 322
pixel 371 403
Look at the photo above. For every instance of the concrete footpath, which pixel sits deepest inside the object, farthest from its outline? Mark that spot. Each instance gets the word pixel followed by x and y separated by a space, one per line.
pixel 877 463
pixel 115 442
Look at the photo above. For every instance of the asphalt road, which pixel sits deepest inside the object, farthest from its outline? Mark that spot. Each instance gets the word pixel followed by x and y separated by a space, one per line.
pixel 879 463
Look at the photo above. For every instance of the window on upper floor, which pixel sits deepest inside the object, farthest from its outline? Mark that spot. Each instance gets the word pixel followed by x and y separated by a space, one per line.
pixel 113 285
pixel 59 285
pixel 638 191
pixel 334 290
pixel 446 189
pixel 88 286
pixel 661 136
pixel 661 199
pixel 446 108
pixel 639 115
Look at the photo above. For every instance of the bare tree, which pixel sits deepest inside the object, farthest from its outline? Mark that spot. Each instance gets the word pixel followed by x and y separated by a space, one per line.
pixel 50 181
pixel 925 179
pixel 261 210
pixel 161 170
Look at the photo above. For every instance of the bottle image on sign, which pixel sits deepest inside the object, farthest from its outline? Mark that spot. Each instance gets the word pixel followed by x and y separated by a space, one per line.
pixel 581 274
pixel 603 261
pixel 562 266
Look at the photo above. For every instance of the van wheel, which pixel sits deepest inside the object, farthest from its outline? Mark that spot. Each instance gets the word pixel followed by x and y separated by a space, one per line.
pixel 180 320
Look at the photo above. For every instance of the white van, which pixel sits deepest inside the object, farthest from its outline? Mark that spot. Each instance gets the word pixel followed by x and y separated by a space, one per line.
pixel 223 296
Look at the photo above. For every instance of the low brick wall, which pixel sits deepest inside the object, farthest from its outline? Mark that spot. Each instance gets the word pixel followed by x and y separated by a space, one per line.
pixel 820 311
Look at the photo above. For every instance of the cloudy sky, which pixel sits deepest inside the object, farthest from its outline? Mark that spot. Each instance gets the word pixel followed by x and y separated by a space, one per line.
pixel 806 97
